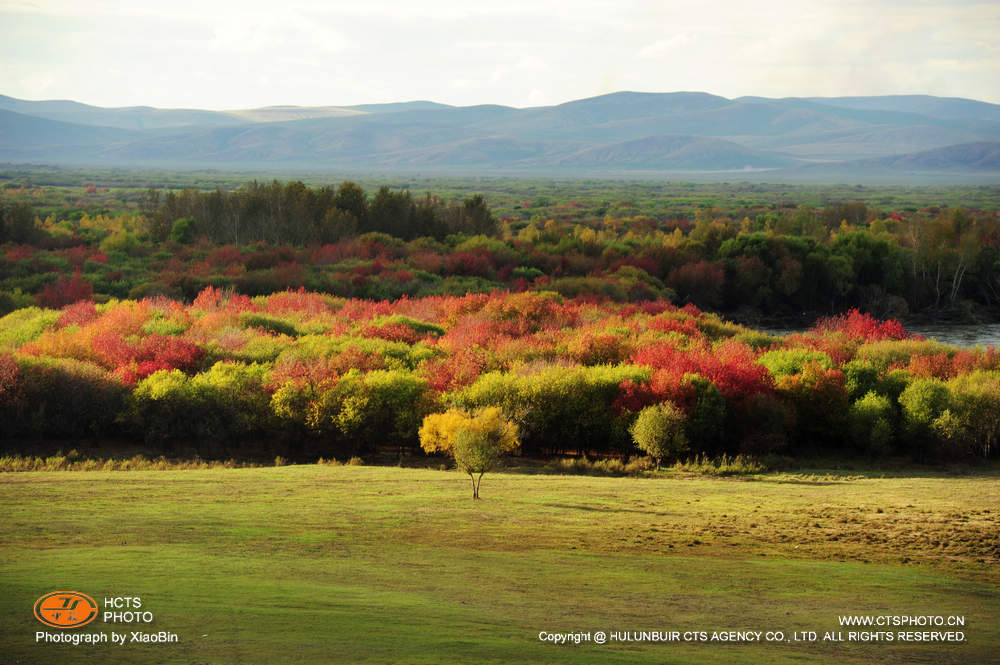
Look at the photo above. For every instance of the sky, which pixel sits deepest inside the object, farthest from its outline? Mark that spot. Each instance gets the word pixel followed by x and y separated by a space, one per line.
pixel 242 54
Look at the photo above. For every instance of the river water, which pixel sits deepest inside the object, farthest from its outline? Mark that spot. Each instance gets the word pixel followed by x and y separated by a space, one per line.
pixel 985 334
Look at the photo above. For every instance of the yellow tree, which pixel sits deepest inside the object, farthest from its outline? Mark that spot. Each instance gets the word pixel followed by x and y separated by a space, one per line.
pixel 476 441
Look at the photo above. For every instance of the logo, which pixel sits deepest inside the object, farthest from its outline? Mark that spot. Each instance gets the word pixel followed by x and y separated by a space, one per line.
pixel 65 609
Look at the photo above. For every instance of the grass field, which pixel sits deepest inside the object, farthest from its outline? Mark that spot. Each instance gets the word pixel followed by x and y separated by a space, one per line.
pixel 324 564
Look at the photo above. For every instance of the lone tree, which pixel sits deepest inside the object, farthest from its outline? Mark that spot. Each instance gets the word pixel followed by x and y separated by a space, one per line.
pixel 659 431
pixel 476 441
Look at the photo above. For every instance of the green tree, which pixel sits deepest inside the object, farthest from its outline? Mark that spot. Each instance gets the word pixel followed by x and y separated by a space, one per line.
pixel 183 230
pixel 923 401
pixel 337 224
pixel 476 216
pixel 17 223
pixel 352 199
pixel 706 422
pixel 659 431
pixel 871 423
pixel 393 213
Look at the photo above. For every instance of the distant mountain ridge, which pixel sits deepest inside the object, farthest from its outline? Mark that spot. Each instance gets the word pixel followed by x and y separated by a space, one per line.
pixel 617 133
pixel 964 157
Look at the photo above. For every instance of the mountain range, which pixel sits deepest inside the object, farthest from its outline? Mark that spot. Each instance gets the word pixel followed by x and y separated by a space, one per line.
pixel 891 137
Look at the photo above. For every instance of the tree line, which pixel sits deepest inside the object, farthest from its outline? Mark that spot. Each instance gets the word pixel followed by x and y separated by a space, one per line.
pixel 294 214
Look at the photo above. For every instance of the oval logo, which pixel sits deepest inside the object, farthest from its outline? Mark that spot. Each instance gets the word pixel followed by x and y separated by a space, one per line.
pixel 65 609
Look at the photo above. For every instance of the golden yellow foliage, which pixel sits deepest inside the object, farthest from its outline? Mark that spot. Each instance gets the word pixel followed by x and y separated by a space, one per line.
pixel 439 430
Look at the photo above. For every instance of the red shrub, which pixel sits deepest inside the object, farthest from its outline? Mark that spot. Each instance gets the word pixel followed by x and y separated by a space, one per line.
pixel 209 300
pixel 66 291
pixel 75 256
pixel 79 314
pixel 934 365
pixel 20 253
pixel 590 348
pixel 691 309
pixel 427 261
pixel 731 366
pixel 647 263
pixel 861 325
pixel 171 352
pixel 235 270
pixel 964 361
pixel 320 373
pixel 701 282
pixel 10 379
pixel 212 299
pixel 147 355
pixel 297 301
pixel 523 313
pixel 431 308
pixel 469 333
pixel 686 326
pixel 839 346
pixel 113 350
pixel 394 332
pixel 125 318
pixel 455 308
pixel 263 259
pixel 455 371
pixel 476 263
pixel 134 372
pixel 355 310
pixel 287 275
pixel 354 358
pixel 328 254
pixel 225 256
pixel 989 360
pixel 663 384
pixel 651 307
pixel 944 366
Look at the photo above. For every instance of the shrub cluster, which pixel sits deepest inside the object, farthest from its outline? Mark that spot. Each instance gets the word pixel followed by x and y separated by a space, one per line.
pixel 303 375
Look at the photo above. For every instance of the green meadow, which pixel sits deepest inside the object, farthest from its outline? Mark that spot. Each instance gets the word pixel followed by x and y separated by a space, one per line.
pixel 349 564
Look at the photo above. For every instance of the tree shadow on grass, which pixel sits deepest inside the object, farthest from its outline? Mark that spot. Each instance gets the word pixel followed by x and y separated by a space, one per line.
pixel 604 509
pixel 820 474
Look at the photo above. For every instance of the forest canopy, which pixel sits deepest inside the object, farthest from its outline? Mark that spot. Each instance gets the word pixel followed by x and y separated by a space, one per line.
pixel 747 261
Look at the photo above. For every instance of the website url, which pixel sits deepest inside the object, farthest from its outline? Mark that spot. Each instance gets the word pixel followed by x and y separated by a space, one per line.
pixel 900 620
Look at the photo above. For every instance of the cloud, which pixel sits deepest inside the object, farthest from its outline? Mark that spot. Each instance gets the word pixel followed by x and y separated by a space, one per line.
pixel 289 32
pixel 519 52
pixel 667 46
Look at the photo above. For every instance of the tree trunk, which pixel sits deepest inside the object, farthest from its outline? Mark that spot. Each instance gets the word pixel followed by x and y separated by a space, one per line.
pixel 476 482
pixel 956 280
pixel 937 287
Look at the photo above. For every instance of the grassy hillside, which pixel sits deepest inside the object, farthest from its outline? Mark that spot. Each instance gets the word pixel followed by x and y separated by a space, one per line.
pixel 309 564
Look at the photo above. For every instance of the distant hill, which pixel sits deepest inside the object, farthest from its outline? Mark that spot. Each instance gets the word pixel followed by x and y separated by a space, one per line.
pixel 616 133
pixel 675 153
pixel 964 157
pixel 30 137
pixel 935 107
pixel 131 117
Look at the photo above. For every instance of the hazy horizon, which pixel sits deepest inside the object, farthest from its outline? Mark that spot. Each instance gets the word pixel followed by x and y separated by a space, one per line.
pixel 428 100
